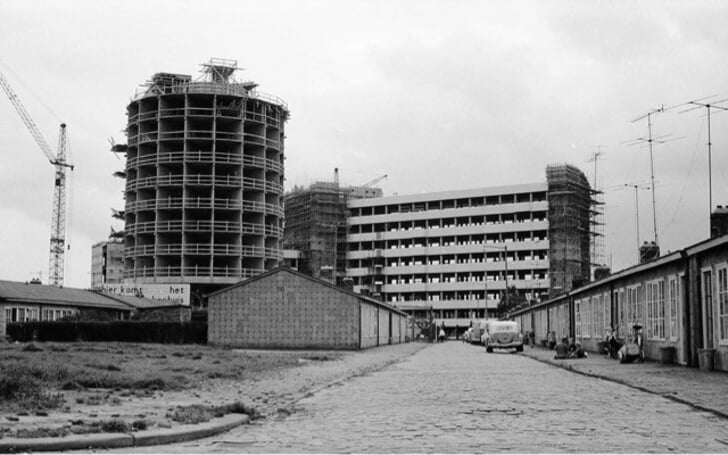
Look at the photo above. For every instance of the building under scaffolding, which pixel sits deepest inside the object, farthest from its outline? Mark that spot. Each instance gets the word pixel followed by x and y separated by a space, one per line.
pixel 315 226
pixel 571 205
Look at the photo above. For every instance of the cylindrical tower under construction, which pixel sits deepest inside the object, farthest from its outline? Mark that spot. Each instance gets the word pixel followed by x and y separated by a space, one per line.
pixel 204 179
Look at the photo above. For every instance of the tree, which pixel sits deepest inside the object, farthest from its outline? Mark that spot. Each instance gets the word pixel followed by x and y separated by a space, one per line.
pixel 513 301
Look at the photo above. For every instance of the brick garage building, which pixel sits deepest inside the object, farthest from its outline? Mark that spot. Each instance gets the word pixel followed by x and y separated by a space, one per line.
pixel 284 309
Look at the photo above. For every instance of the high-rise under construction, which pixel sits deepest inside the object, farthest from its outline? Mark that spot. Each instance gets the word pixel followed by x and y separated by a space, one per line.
pixel 316 225
pixel 204 179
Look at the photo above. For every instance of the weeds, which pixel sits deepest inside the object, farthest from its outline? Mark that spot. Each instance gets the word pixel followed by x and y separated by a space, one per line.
pixel 42 432
pixel 30 347
pixel 198 413
pixel 139 425
pixel 192 414
pixel 115 426
pixel 20 389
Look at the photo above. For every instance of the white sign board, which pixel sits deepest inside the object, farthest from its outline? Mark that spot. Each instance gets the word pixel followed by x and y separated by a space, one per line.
pixel 174 294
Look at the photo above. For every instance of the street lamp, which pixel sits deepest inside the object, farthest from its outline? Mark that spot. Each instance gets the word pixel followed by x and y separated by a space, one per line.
pixel 504 249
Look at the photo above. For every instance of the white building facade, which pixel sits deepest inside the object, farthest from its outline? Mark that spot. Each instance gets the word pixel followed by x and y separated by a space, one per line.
pixel 451 254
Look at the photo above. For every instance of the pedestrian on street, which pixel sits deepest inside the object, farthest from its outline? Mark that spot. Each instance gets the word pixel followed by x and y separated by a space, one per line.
pixel 532 336
pixel 562 349
pixel 552 340
pixel 441 336
pixel 578 352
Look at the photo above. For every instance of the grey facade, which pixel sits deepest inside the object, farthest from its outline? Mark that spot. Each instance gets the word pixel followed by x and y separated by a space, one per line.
pixel 451 255
pixel 285 309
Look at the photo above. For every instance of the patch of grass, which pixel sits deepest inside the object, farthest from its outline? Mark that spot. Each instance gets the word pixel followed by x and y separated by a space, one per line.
pixel 42 432
pixel 192 414
pixel 237 408
pixel 139 425
pixel 31 347
pixel 145 368
pixel 20 389
pixel 108 367
pixel 115 426
pixel 198 413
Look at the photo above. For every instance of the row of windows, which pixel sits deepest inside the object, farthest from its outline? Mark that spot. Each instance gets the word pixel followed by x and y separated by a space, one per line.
pixel 475 296
pixel 467 313
pixel 498 241
pixel 420 278
pixel 647 305
pixel 449 259
pixel 464 277
pixel 476 201
pixel 444 223
pixel 25 314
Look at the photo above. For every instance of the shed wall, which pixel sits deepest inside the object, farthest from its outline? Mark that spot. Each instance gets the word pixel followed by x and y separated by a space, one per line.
pixel 3 322
pixel 399 328
pixel 369 325
pixel 384 328
pixel 286 311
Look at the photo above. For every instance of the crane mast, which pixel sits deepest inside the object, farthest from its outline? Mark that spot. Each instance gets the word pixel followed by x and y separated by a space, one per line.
pixel 58 219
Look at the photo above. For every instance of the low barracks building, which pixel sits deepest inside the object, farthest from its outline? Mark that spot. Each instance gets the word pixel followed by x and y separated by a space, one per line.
pixel 285 309
pixel 680 300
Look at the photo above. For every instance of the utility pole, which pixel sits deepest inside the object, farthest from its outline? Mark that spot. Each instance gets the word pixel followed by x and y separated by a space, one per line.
pixel 697 105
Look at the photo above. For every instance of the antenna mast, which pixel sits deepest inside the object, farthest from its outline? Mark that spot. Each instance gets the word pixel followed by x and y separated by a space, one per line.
pixel 708 106
pixel 649 141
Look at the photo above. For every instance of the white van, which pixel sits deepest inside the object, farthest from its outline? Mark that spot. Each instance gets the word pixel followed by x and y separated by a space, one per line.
pixel 502 335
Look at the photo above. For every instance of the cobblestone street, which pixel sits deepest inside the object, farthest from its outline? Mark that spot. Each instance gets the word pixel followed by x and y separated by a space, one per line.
pixel 453 397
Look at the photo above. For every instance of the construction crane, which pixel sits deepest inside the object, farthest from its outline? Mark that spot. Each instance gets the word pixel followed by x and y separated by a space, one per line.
pixel 58 160
pixel 375 181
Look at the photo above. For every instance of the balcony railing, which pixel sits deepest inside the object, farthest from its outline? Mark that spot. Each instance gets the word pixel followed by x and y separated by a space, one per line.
pixel 202 272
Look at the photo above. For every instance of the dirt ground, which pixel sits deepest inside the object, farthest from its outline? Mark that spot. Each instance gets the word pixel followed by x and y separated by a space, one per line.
pixel 149 382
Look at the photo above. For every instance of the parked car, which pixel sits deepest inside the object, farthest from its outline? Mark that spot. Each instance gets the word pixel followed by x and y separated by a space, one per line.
pixel 502 335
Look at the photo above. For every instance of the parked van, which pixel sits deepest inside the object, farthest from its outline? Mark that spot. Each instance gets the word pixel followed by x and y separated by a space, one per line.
pixel 502 335
pixel 478 333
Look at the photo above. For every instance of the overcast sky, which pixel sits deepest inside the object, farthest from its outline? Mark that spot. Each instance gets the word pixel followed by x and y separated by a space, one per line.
pixel 438 95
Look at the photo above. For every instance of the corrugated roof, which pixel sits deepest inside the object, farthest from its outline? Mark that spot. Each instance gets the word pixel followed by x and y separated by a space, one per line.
pixel 18 292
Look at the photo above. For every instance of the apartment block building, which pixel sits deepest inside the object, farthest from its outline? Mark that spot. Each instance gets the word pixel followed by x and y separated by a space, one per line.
pixel 107 263
pixel 453 254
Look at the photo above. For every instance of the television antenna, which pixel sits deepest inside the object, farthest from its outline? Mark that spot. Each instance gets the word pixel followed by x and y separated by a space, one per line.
pixel 650 140
pixel 697 104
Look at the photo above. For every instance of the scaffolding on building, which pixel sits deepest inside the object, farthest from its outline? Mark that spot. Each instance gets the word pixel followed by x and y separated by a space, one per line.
pixel 315 225
pixel 572 209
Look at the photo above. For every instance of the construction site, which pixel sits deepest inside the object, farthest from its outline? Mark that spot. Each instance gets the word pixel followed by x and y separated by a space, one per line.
pixel 316 219
pixel 572 213
pixel 204 179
